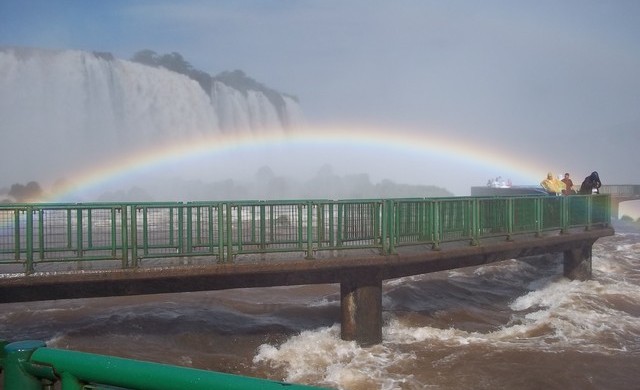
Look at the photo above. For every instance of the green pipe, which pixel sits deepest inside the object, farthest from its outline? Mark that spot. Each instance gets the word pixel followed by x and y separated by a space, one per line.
pixel 91 368
pixel 16 356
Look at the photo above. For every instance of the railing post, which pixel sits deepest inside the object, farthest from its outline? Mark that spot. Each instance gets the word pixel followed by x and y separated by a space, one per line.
pixel 263 226
pixel 181 228
pixel 79 234
pixel 41 246
pixel 392 223
pixel 539 216
pixel 221 236
pixel 239 228
pixel 510 218
pixel 474 222
pixel 589 212
pixel 16 234
pixel 16 356
pixel 134 236
pixel 339 230
pixel 436 226
pixel 309 230
pixel 29 217
pixel 229 240
pixel 189 228
pixel 124 234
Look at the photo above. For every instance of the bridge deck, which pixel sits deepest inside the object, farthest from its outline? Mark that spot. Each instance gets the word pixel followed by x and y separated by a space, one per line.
pixel 292 271
pixel 224 245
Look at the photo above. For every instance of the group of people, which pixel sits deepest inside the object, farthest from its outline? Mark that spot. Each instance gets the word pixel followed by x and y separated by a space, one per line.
pixel 555 186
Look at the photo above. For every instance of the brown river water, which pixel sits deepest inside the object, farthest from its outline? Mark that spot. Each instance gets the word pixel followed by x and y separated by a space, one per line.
pixel 516 324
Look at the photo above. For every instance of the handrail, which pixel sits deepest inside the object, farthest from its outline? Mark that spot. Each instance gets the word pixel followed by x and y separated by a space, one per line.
pixel 30 365
pixel 136 234
pixel 630 190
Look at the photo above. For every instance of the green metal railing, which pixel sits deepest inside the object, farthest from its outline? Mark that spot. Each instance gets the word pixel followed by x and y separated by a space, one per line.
pixel 30 365
pixel 134 233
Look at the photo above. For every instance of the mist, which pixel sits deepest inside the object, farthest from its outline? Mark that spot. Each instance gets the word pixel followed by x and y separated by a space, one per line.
pixel 517 90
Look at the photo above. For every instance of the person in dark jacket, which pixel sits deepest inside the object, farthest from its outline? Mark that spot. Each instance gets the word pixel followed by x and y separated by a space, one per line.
pixel 590 183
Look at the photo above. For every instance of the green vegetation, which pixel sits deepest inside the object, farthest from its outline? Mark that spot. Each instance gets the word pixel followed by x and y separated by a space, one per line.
pixel 628 219
pixel 235 79
pixel 26 193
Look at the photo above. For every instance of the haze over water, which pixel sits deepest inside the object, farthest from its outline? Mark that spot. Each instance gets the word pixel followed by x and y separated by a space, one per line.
pixel 513 324
pixel 544 85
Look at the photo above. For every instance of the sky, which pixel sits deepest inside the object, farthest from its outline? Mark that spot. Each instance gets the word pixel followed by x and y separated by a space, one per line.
pixel 554 82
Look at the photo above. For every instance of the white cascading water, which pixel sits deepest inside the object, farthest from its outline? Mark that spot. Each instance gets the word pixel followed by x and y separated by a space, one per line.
pixel 63 104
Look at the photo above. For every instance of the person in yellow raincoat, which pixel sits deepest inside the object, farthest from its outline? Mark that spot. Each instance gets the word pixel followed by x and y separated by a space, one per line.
pixel 552 185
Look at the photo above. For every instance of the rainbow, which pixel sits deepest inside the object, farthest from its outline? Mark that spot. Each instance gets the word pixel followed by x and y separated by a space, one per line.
pixel 437 146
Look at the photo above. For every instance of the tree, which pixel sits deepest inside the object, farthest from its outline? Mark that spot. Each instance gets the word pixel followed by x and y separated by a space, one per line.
pixel 147 57
pixel 21 193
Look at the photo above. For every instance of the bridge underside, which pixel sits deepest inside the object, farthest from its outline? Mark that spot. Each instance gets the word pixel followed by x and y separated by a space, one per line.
pixel 360 278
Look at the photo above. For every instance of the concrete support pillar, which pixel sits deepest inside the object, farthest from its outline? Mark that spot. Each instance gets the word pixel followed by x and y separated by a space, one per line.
pixel 577 263
pixel 361 302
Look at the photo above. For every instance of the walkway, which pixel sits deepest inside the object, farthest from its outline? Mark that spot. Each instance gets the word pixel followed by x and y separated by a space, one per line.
pixel 74 251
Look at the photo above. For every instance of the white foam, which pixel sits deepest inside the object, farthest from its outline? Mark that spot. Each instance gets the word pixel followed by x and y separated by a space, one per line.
pixel 320 356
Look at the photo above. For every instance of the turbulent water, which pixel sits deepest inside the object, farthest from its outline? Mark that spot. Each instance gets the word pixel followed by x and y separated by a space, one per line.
pixel 515 324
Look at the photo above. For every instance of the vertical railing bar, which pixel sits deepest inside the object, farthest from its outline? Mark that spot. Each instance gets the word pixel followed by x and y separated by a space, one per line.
pixel 29 244
pixel 41 243
pixel 189 229
pixel 134 236
pixel 171 227
pixel 114 233
pixel 181 227
pixel 69 231
pixel 79 235
pixel 124 234
pixel 89 228
pixel 16 234
pixel 229 220
pixel 239 228
pixel 145 231
pixel 309 230
pixel 210 226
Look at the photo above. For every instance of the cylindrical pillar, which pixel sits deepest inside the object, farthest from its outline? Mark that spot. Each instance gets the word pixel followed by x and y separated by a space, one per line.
pixel 361 302
pixel 15 377
pixel 577 263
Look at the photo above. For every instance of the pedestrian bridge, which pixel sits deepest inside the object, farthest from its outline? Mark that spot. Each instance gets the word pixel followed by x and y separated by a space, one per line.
pixel 620 193
pixel 66 251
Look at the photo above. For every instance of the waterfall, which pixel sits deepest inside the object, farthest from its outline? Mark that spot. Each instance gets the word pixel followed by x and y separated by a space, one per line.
pixel 64 106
